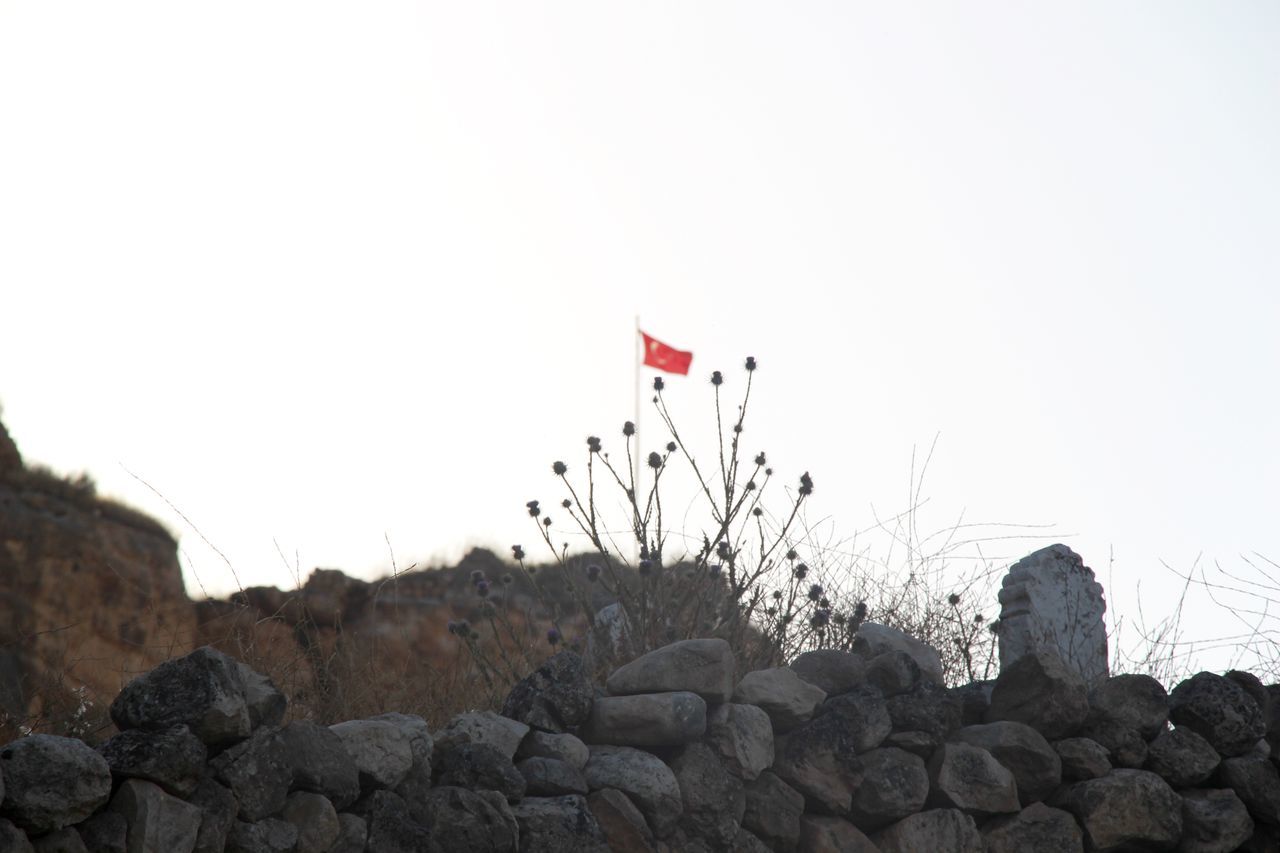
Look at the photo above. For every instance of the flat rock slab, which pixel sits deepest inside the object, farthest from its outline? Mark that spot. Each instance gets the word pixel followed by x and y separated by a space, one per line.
pixel 832 671
pixel 705 667
pixel 646 719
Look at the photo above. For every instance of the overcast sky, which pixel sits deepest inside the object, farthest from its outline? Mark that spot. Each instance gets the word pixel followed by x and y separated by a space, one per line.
pixel 323 276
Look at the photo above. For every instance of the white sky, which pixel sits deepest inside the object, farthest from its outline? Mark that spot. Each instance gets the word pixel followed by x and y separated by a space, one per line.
pixel 327 274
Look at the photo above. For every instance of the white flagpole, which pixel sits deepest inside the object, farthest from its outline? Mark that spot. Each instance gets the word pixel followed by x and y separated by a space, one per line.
pixel 635 459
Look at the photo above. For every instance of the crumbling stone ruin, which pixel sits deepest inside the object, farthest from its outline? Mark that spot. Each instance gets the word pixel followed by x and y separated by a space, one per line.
pixel 857 751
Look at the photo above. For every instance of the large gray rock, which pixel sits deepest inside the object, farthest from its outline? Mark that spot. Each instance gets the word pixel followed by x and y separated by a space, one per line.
pixel 743 737
pixel 646 719
pixel 554 697
pixel 353 834
pixel 1136 702
pixel 258 772
pixel 1182 758
pixel 391 826
pixel 968 778
pixel 1213 821
pixel 893 784
pixel 157 821
pixel 894 672
pixel 773 810
pixel 65 840
pixel 1050 600
pixel 863 713
pixel 315 819
pixel 218 810
pixel 822 834
pixel 380 748
pixel 1034 763
pixel 551 777
pixel 464 821
pixel 1083 759
pixel 1256 782
pixel 558 825
pixel 746 842
pixel 1039 689
pixel 269 835
pixel 12 839
pixel 480 767
pixel 265 701
pixel 624 827
pixel 788 699
pixel 173 758
pixel 1125 746
pixel 105 832
pixel 562 747
pixel 928 707
pixel 875 639
pixel 644 778
pixel 713 799
pixel 51 782
pixel 320 762
pixel 1124 810
pixel 1219 710
pixel 204 691
pixel 502 733
pixel 934 830
pixel 820 760
pixel 1037 828
pixel 705 667
pixel 832 671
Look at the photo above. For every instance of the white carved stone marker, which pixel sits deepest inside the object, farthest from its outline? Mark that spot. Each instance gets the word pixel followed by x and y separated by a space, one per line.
pixel 1049 599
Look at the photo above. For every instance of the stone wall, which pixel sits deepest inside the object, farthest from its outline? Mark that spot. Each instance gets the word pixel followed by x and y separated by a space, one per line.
pixel 678 751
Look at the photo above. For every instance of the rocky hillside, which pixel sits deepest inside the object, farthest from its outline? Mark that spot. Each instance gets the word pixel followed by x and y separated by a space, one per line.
pixel 91 594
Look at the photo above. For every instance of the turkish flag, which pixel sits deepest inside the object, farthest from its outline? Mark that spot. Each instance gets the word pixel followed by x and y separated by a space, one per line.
pixel 659 355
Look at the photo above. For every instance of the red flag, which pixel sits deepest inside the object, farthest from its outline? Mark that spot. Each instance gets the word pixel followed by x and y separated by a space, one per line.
pixel 659 355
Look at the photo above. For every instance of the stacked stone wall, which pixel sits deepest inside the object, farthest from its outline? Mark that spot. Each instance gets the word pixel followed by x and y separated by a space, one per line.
pixel 678 751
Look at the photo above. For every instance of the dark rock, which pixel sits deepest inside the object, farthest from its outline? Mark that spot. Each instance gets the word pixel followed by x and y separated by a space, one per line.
pixel 821 834
pixel 975 700
pixel 788 699
pixel 258 772
pixel 563 747
pixel 713 799
pixel 644 778
pixel 743 737
pixel 105 832
pixel 1039 689
pixel 558 825
pixel 893 784
pixel 863 712
pixel 1256 782
pixel 12 839
pixel 773 810
pixel 1034 763
pixel 382 751
pixel 830 670
pixel 646 719
pixel 1037 828
pixel 173 758
pixel 352 834
pixel 268 835
pixel 320 763
pixel 51 782
pixel 1219 710
pixel 203 691
pixel 915 742
pixel 218 810
pixel 705 667
pixel 315 819
pixel 1125 745
pixel 480 766
pixel 623 825
pixel 1137 702
pixel 967 777
pixel 1083 759
pixel 157 821
pixel 935 830
pixel 65 840
pixel 550 777
pixel 893 672
pixel 1182 758
pixel 555 697
pixel 391 828
pixel 265 701
pixel 1124 810
pixel 927 707
pixel 464 821
pixel 1213 821
pixel 820 760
